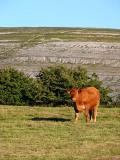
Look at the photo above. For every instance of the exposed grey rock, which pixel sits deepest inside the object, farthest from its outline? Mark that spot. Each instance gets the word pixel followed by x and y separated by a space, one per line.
pixel 99 57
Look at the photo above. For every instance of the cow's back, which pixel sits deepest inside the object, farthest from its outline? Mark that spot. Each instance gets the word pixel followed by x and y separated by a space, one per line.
pixel 89 96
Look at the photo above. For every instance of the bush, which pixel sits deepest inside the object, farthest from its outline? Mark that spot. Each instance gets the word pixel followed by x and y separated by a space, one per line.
pixel 18 89
pixel 49 88
pixel 56 80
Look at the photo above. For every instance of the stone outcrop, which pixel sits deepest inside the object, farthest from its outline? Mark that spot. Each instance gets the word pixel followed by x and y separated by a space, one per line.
pixel 99 57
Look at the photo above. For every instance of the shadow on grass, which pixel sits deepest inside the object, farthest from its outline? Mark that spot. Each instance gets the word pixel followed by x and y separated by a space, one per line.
pixel 53 119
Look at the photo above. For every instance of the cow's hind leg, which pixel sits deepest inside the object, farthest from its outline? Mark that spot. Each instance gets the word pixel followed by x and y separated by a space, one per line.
pixel 94 114
pixel 90 114
pixel 87 114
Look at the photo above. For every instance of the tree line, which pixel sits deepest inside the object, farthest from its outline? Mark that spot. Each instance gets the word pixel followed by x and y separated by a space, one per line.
pixel 48 88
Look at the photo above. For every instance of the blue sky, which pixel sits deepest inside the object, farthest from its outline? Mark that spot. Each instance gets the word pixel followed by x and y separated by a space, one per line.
pixel 60 13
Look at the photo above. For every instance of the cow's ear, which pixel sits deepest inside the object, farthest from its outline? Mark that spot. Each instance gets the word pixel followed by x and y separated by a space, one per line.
pixel 79 90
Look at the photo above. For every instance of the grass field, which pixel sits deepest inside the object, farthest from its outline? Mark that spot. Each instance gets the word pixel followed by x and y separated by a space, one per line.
pixel 34 35
pixel 46 133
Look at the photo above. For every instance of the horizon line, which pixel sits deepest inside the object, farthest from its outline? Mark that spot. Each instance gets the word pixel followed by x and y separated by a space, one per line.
pixel 70 27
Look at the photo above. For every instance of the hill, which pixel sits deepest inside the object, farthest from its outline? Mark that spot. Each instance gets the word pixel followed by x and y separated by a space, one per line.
pixel 29 49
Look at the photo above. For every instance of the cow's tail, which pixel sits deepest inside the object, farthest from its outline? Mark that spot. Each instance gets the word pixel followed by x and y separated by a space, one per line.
pixel 90 113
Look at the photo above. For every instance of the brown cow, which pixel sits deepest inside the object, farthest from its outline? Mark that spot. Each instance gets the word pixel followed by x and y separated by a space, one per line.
pixel 85 100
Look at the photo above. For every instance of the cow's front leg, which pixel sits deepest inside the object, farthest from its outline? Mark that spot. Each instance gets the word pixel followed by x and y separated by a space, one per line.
pixel 76 116
pixel 76 111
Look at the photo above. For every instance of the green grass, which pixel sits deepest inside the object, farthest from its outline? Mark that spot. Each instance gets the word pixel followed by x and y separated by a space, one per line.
pixel 66 34
pixel 46 133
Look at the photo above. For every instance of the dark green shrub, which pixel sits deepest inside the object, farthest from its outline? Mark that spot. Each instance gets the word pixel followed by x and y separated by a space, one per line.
pixel 18 89
pixel 49 88
pixel 56 80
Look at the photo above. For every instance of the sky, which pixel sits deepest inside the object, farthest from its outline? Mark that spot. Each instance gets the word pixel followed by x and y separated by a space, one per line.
pixel 60 13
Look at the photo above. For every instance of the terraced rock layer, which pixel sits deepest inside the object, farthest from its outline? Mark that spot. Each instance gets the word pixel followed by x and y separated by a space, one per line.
pixel 30 49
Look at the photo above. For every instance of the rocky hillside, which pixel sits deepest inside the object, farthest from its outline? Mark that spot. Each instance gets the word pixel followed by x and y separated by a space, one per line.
pixel 30 49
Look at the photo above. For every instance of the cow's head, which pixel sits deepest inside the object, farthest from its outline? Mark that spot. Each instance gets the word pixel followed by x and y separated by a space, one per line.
pixel 73 93
pixel 75 96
